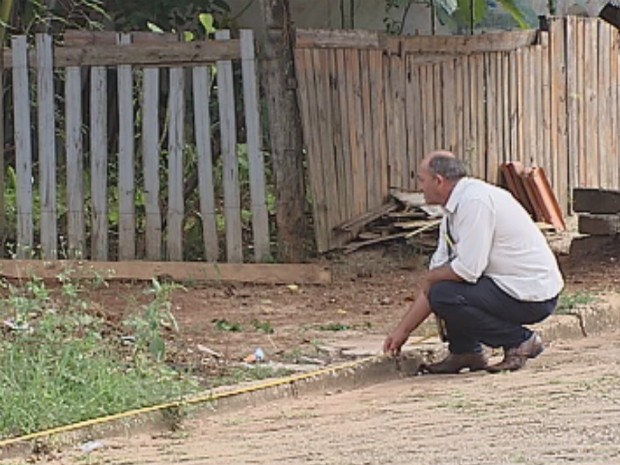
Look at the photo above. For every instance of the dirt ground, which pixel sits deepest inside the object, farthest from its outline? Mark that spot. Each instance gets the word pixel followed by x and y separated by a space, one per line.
pixel 371 290
pixel 564 407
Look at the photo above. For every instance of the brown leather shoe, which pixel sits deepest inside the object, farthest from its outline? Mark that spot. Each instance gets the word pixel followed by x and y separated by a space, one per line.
pixel 515 358
pixel 454 363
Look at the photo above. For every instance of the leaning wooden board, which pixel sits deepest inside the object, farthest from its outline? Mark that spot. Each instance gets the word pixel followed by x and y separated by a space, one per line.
pixel 176 271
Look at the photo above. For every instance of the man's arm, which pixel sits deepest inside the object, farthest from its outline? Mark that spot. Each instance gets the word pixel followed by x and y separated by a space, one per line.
pixel 420 309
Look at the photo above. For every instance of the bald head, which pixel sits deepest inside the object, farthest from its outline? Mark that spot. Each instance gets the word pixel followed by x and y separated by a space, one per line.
pixel 445 164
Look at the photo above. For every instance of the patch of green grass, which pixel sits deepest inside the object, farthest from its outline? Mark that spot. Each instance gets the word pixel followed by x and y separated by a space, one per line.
pixel 335 327
pixel 60 364
pixel 263 326
pixel 569 302
pixel 222 324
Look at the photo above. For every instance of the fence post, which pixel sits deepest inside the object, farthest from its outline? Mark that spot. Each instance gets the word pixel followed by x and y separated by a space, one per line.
pixel 278 78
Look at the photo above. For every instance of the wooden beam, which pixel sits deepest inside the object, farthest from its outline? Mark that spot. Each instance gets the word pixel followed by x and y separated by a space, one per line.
pixel 177 271
pixel 492 42
pixel 169 54
pixel 317 38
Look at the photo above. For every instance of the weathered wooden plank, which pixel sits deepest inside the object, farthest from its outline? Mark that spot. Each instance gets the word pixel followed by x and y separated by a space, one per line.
pixel 415 115
pixel 573 96
pixel 530 114
pixel 608 164
pixel 201 80
pixel 615 106
pixel 480 43
pixel 582 177
pixel 75 163
pixel 513 109
pixel 536 117
pixel 469 121
pixel 150 162
pixel 550 158
pixel 436 95
pixel 313 146
pixel 481 116
pixel 228 130
pixel 347 150
pixel 176 144
pixel 126 150
pixel 260 218
pixel 500 109
pixel 47 146
pixel 380 155
pixel 23 146
pixel 557 48
pixel 325 128
pixel 450 105
pixel 139 55
pixel 351 39
pixel 356 130
pixel 80 38
pixel 187 271
pixel 490 78
pixel 428 108
pixel 410 120
pixel 521 142
pixel 591 89
pixel 501 41
pixel 400 158
pixel 99 162
pixel 459 108
pixel 334 94
pixel 373 195
pixel 390 130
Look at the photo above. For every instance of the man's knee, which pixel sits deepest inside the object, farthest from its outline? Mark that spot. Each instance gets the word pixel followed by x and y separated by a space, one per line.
pixel 444 298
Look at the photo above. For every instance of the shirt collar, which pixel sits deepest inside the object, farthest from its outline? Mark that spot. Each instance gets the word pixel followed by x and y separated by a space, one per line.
pixel 456 195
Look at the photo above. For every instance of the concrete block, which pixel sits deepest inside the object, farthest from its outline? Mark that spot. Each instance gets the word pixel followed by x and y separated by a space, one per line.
pixel 600 201
pixel 599 225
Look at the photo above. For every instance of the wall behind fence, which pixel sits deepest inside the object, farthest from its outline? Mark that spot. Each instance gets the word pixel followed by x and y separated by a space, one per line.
pixel 74 175
pixel 373 105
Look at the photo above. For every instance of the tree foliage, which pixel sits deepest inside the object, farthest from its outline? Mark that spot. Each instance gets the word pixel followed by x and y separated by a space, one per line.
pixel 179 15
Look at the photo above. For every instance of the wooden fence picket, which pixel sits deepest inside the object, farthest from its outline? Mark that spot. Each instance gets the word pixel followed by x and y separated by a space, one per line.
pixel 201 80
pixel 99 162
pixel 23 147
pixel 75 163
pixel 258 192
pixel 47 151
pixel 228 134
pixel 150 162
pixel 126 160
pixel 176 146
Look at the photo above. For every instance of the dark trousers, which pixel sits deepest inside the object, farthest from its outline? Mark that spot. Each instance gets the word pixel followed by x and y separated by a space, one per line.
pixel 483 313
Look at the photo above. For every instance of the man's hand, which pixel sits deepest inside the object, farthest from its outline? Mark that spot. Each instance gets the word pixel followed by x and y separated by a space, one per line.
pixel 394 342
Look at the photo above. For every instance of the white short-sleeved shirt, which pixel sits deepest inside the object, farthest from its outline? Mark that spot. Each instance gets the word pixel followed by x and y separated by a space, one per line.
pixel 485 231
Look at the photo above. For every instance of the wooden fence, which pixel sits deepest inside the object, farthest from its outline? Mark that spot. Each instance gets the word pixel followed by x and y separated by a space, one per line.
pixel 146 66
pixel 373 105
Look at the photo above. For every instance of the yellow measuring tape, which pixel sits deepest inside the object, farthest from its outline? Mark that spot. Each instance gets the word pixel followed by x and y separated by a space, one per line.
pixel 191 401
pixel 197 400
